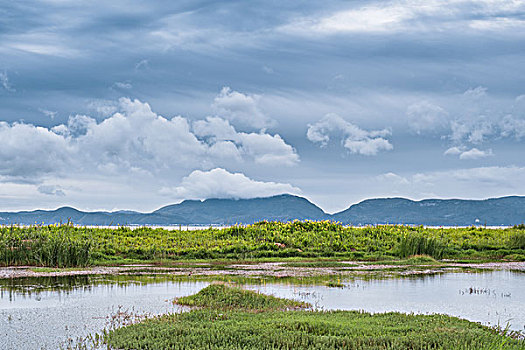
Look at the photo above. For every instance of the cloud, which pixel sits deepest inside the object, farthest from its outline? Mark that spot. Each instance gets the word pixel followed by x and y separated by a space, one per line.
pixel 29 151
pixel 480 182
pixel 390 17
pixel 355 139
pixel 497 177
pixel 103 108
pixel 134 139
pixel 51 190
pixel 513 126
pixel 476 121
pixel 476 93
pixel 240 108
pixel 219 183
pixel 32 43
pixel 268 70
pixel 261 147
pixel 4 80
pixel 453 151
pixel 475 153
pixel 48 113
pixel 472 130
pixel 464 154
pixel 394 178
pixel 123 85
pixel 363 19
pixel 142 65
pixel 425 116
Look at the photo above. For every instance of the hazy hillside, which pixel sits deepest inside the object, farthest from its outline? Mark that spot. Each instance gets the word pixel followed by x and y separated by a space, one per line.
pixel 452 212
pixel 231 211
pixel 210 211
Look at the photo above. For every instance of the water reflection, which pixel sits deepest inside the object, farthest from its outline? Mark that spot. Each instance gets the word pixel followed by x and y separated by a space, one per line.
pixel 40 313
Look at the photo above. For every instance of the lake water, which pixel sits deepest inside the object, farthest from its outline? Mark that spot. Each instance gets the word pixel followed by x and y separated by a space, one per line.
pixel 44 313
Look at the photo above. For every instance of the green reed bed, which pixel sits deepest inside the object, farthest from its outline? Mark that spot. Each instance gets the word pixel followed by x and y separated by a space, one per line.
pixel 67 245
pixel 57 246
pixel 242 324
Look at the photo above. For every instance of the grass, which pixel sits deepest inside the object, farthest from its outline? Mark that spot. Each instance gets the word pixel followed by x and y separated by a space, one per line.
pixel 231 318
pixel 414 260
pixel 69 246
pixel 516 240
pixel 319 264
pixel 420 244
pixel 220 296
pixel 53 269
pixel 335 284
pixel 56 246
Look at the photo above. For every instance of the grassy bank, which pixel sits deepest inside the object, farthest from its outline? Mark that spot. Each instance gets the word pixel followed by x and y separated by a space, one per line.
pixel 230 318
pixel 62 246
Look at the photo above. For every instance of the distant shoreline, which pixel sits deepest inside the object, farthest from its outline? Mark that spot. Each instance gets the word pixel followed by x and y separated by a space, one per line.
pixel 194 227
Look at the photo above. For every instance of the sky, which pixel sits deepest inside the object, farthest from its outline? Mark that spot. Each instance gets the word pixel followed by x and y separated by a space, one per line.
pixel 110 105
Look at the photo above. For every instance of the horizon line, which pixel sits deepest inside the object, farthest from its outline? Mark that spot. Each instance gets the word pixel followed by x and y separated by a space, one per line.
pixel 114 211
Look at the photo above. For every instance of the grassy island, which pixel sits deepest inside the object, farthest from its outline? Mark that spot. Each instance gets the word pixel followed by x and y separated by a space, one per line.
pixel 232 318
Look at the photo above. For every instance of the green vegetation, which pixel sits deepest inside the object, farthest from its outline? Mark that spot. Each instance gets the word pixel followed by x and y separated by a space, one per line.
pixel 319 264
pixel 54 269
pixel 218 326
pixel 517 239
pixel 220 296
pixel 57 246
pixel 414 260
pixel 66 245
pixel 419 243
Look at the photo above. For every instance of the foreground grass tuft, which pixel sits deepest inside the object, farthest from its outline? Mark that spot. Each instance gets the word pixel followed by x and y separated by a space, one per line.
pixel 227 321
pixel 220 296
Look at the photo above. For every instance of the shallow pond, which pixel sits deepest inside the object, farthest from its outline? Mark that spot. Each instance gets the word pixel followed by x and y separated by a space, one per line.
pixel 43 313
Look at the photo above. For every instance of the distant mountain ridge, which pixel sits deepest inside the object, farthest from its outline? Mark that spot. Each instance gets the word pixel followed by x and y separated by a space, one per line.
pixel 435 212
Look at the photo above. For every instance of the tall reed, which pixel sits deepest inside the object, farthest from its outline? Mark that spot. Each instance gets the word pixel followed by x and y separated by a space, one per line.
pixel 417 244
pixel 44 246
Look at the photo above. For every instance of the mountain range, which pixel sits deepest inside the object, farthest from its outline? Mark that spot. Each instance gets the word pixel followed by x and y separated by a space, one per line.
pixel 434 212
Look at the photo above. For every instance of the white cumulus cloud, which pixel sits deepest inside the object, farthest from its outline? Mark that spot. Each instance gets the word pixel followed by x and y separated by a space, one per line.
pixel 466 154
pixel 134 139
pixel 29 151
pixel 475 153
pixel 219 183
pixel 241 109
pixel 261 147
pixel 355 139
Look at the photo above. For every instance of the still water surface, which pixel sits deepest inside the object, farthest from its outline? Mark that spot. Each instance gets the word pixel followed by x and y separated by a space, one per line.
pixel 44 313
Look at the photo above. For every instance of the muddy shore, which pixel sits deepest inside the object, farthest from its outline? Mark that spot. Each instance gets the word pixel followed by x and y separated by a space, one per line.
pixel 269 269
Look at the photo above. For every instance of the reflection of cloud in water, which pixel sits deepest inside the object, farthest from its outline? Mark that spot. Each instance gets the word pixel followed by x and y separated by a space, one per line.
pixel 32 306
